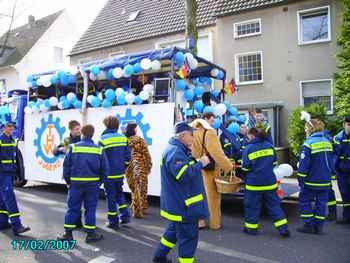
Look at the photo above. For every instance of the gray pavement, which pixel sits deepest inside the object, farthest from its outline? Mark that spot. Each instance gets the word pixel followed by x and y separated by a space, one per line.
pixel 43 207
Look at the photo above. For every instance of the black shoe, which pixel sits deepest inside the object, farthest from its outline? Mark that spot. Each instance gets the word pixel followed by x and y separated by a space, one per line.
pixel 93 237
pixel 285 233
pixel 306 229
pixel 112 226
pixel 21 230
pixel 125 221
pixel 161 260
pixel 5 226
pixel 65 236
pixel 344 222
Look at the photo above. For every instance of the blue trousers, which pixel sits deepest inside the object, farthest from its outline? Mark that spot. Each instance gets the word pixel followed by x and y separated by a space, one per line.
pixel 308 196
pixel 78 195
pixel 8 203
pixel 344 188
pixel 185 235
pixel 116 201
pixel 332 201
pixel 253 201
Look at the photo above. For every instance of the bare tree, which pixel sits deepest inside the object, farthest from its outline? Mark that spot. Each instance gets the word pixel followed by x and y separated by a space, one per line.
pixel 191 34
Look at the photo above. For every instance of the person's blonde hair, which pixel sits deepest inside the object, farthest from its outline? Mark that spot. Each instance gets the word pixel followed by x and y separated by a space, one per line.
pixel 317 125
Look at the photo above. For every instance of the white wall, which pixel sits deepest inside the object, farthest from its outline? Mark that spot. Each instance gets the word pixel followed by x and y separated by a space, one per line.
pixel 11 78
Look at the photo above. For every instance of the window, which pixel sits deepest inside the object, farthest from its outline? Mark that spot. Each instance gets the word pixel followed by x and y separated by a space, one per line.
pixel 314 25
pixel 249 68
pixel 117 54
pixel 317 91
pixel 133 16
pixel 3 88
pixel 58 54
pixel 247 28
pixel 84 60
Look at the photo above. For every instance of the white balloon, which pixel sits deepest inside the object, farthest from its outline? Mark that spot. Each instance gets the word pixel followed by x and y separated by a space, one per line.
pixel 60 106
pixel 117 73
pixel 53 101
pixel 278 172
pixel 287 169
pixel 149 88
pixel 100 96
pixel 146 64
pixel 130 98
pixel 47 83
pixel 35 109
pixel 71 96
pixel 92 76
pixel 119 91
pixel 156 65
pixel 189 56
pixel 89 98
pixel 40 81
pixel 102 75
pixel 28 110
pixel 193 63
pixel 144 95
pixel 214 72
pixel 43 108
pixel 220 109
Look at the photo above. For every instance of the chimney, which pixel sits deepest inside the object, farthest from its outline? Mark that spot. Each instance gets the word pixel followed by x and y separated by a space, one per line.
pixel 31 21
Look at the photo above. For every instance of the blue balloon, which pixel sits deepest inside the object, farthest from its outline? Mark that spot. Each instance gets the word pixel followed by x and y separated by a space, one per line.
pixel 189 94
pixel 179 58
pixel 198 91
pixel 47 103
pixel 138 100
pixel 78 104
pixel 209 81
pixel 121 100
pixel 30 78
pixel 110 74
pixel 221 75
pixel 215 93
pixel 71 79
pixel 203 79
pixel 110 94
pixel 208 109
pixel 31 104
pixel 180 84
pixel 53 80
pixel 198 106
pixel 233 128
pixel 65 104
pixel 64 80
pixel 62 98
pixel 227 104
pixel 95 102
pixel 242 119
pixel 95 70
pixel 217 123
pixel 106 103
pixel 129 69
pixel 233 110
pixel 34 84
pixel 61 74
pixel 137 68
pixel 195 81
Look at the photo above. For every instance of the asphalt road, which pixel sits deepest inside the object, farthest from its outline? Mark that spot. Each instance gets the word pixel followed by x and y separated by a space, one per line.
pixel 43 207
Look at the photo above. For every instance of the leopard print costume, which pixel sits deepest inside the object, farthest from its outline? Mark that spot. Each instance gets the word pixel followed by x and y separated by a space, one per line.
pixel 137 174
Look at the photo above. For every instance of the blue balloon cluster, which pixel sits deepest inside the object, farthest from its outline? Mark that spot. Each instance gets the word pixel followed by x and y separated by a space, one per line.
pixel 106 103
pixel 95 102
pixel 129 70
pixel 77 104
pixel 31 104
pixel 121 99
pixel 189 95
pixel 110 74
pixel 137 68
pixel 208 109
pixel 65 104
pixel 179 58
pixel 95 70
pixel 233 128
pixel 217 123
pixel 233 110
pixel 138 100
pixel 215 93
pixel 180 84
pixel 221 75
pixel 198 91
pixel 198 106
pixel 110 94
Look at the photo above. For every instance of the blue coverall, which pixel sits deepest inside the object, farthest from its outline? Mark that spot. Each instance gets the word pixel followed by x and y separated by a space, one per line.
pixel 182 201
pixel 84 169
pixel 119 154
pixel 314 174
pixel 259 158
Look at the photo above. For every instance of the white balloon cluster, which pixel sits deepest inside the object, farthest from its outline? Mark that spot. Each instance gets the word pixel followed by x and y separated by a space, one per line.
pixel 146 92
pixel 44 81
pixel 220 109
pixel 283 170
pixel 192 62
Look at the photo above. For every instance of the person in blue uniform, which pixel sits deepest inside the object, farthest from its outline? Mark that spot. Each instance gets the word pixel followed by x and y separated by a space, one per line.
pixel 8 204
pixel 259 159
pixel 342 166
pixel 119 154
pixel 231 144
pixel 84 169
pixel 314 174
pixel 182 198
pixel 261 122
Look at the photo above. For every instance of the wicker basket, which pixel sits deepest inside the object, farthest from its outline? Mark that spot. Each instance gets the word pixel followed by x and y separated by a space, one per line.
pixel 228 184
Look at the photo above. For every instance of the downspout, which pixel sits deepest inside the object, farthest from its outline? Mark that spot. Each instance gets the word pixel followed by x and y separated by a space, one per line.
pixel 83 111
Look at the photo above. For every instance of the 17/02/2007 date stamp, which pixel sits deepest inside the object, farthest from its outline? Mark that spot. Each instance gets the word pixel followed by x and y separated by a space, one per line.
pixel 43 245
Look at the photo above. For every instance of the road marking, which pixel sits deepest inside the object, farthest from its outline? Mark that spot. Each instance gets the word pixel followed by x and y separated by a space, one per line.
pixel 216 249
pixel 102 259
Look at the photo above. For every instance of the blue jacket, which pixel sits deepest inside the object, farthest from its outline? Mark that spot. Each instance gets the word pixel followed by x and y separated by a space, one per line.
pixel 316 165
pixel 118 153
pixel 259 159
pixel 342 152
pixel 182 197
pixel 8 148
pixel 243 140
pixel 231 145
pixel 85 164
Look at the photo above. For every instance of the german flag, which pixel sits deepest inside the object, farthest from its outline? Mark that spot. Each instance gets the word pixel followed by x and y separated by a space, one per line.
pixel 182 72
pixel 231 87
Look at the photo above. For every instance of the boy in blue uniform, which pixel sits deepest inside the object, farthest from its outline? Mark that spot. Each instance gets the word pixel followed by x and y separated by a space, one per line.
pixel 262 123
pixel 8 169
pixel 231 145
pixel 259 158
pixel 182 198
pixel 84 168
pixel 314 175
pixel 342 166
pixel 119 155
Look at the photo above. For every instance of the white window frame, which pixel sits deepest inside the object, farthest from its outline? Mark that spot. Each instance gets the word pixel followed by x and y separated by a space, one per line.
pixel 254 82
pixel 316 80
pixel 117 53
pixel 300 13
pixel 236 36
pixel 58 57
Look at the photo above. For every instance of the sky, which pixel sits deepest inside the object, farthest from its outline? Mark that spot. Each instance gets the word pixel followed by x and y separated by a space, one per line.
pixel 83 11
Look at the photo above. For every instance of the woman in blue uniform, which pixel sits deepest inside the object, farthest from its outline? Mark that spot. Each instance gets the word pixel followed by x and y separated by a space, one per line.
pixel 259 158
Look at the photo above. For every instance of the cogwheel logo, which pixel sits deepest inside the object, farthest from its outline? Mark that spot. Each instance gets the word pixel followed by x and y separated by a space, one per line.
pixel 48 135
pixel 138 119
